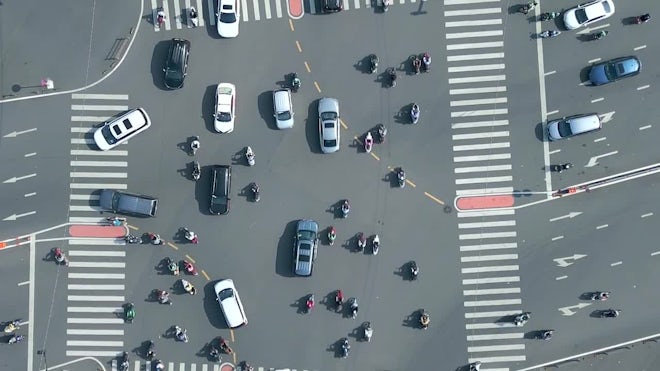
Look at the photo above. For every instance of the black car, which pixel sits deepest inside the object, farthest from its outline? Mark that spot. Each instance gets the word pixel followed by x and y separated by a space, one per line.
pixel 128 203
pixel 332 6
pixel 176 64
pixel 220 188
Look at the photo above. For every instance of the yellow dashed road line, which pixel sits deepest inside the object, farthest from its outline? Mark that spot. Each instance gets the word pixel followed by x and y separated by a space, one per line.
pixel 433 198
pixel 206 275
pixel 133 228
pixel 411 183
pixel 191 259
pixel 318 88
pixel 374 156
pixel 344 125
pixel 172 246
pixel 291 25
pixel 309 70
pixel 298 46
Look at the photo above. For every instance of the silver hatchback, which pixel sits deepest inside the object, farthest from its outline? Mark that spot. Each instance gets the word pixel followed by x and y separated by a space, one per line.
pixel 570 126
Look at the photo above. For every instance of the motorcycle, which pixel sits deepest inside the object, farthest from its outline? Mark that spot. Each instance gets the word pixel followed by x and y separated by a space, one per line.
pixel 164 297
pixel 373 63
pixel 295 82
pixel 561 167
pixel 249 156
pixel 414 269
pixel 60 257
pixel 598 35
pixel 416 63
pixel 225 347
pixel 247 367
pixel 414 113
pixel 214 353
pixel 133 239
pixel 643 18
pixel 254 188
pixel 188 287
pixel 129 312
pixel 155 239
pixel 368 331
pixel 194 19
pixel 172 266
pixel 361 241
pixel 426 58
pixel 332 234
pixel 190 236
pixel 345 209
pixel 386 5
pixel 474 366
pixel 549 16
pixel 600 295
pixel 401 177
pixel 309 304
pixel 123 364
pixel 150 353
pixel 181 334
pixel 392 75
pixel 524 9
pixel 194 146
pixel 382 132
pixel 549 33
pixel 375 245
pixel 115 221
pixel 339 300
pixel 424 319
pixel 368 143
pixel 159 365
pixel 12 326
pixel 353 304
pixel 160 17
pixel 611 313
pixel 197 171
pixel 345 348
pixel 190 268
pixel 521 319
pixel 546 334
pixel 15 339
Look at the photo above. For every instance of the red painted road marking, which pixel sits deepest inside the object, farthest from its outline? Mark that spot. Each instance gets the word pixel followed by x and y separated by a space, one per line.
pixel 484 202
pixel 103 231
pixel 227 367
pixel 295 8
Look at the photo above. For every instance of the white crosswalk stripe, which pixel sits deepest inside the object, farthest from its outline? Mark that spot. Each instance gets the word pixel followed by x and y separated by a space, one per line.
pixel 479 123
pixel 182 366
pixel 95 277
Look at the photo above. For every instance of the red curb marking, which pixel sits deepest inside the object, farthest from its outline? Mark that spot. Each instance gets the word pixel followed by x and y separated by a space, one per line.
pixel 295 8
pixel 227 367
pixel 107 231
pixel 484 202
pixel 2 245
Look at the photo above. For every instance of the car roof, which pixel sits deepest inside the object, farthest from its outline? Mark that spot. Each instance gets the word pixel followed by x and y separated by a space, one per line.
pixel 224 94
pixel 129 123
pixel 231 307
pixel 307 225
pixel 282 99
pixel 584 122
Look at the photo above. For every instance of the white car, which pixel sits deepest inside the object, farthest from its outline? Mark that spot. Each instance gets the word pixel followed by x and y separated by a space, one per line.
pixel 329 125
pixel 228 17
pixel 283 108
pixel 121 129
pixel 230 303
pixel 588 13
pixel 225 107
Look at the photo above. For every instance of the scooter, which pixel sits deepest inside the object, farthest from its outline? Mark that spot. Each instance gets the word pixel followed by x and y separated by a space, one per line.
pixel 345 209
pixel 401 177
pixel 339 300
pixel 414 270
pixel 12 326
pixel 414 113
pixel 524 9
pixel 424 319
pixel 521 319
pixel 194 18
pixel 600 295
pixel 181 334
pixel 345 346
pixel 386 5
pixel 163 297
pixel 375 245
pixel 115 221
pixel 392 74
pixel 332 234
pixel 549 33
pixel 197 171
pixel 549 16
pixel 368 331
pixel 133 239
pixel 295 82
pixel 309 304
pixel 426 58
pixel 15 339
pixel 254 187
pixel 249 156
pixel 643 18
pixel 368 142
pixel 373 63
pixel 610 313
pixel 190 268
pixel 598 35
pixel 225 347
pixel 382 133
pixel 194 146
pixel 155 239
pixel 561 167
pixel 474 366
pixel 361 241
pixel 416 63
pixel 214 353
pixel 150 354
pixel 160 17
pixel 353 304
pixel 546 334
pixel 129 312
pixel 172 266
pixel 188 287
pixel 123 364
pixel 190 236
pixel 60 257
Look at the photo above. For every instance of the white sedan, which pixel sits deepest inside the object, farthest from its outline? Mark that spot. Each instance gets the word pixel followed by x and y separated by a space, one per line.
pixel 121 129
pixel 230 303
pixel 225 108
pixel 588 13
pixel 228 17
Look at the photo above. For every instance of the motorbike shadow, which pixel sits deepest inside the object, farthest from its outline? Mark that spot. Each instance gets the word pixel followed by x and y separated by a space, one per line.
pixel 301 305
pixel 412 320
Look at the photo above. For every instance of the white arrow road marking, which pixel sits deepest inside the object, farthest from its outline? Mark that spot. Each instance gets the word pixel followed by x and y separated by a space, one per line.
pixel 17 133
pixel 16 216
pixel 570 215
pixel 562 262
pixel 566 311
pixel 594 160
pixel 605 117
pixel 14 179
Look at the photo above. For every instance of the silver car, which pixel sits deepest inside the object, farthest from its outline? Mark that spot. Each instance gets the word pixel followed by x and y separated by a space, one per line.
pixel 283 108
pixel 573 125
pixel 305 247
pixel 329 131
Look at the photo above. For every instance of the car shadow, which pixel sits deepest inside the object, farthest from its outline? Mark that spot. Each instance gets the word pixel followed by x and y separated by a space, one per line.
pixel 208 107
pixel 212 307
pixel 158 56
pixel 312 127
pixel 539 131
pixel 283 258
pixel 266 110
pixel 584 75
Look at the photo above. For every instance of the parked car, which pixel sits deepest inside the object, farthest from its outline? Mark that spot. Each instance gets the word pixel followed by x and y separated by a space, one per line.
pixel 614 69
pixel 283 108
pixel 225 106
pixel 305 247
pixel 329 131
pixel 588 13
pixel 567 127
pixel 220 188
pixel 230 303
pixel 176 64
pixel 128 203
pixel 122 128
pixel 228 18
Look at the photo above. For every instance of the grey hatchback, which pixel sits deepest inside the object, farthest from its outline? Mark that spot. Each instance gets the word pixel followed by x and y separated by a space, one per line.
pixel 573 125
pixel 128 203
pixel 305 247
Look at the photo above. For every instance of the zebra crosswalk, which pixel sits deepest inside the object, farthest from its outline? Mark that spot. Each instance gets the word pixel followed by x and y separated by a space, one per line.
pixel 250 10
pixel 482 165
pixel 96 272
pixel 181 366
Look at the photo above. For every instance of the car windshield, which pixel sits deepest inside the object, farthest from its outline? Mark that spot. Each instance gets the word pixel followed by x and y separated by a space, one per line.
pixel 226 294
pixel 285 115
pixel 329 143
pixel 223 116
pixel 564 128
pixel 107 135
pixel 328 116
pixel 581 16
pixel 174 74
pixel 611 71
pixel 227 17
pixel 215 200
pixel 306 235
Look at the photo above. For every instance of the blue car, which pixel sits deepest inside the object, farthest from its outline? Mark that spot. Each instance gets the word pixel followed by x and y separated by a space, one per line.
pixel 614 69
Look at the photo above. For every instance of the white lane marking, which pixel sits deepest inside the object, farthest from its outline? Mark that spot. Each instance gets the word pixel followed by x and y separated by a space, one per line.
pixel 482 22
pixel 75 197
pixel 484 303
pixel 552 112
pixel 498 359
pixel 97 276
pixel 483 191
pixel 555 151
pixel 99 119
pixel 491 89
pixel 97 107
pixel 96 310
pixel 472 57
pixel 244 11
pixel 24 283
pixel 502 291
pixel 647 215
pixel 82 141
pixel 616 263
pixel 93 353
pixel 486 179
pixel 486 326
pixel 30 154
pixel 570 215
pixel 199 6
pixel 466 2
pixel 474 147
pixel 177 15
pixel 496 348
pixel 105 321
pixel 652 254
pixel 602 226
pixel 600 139
pixel 490 246
pixel 17 178
pixel 499 223
pixel 643 87
pixel 483 135
pixel 31 300
pixel 30 194
pixel 484 112
pixel 80 174
pixel 483 67
pixel 593 161
pixel 486 258
pixel 492 44
pixel 479 214
pixel 477 169
pixel 84 208
pixel 86 152
pixel 597 100
pixel 549 73
pixel 460 35
pixel 498 268
pixel 95 298
pixel 479 236
pixel 257 14
pixel 100 163
pixel 480 79
pixel 645 127
pixel 93 332
pixel 481 281
pixel 96 253
pixel 267 9
pixel 211 12
pixel 517 335
pixel 593 60
pixel 94 343
pixel 560 278
pixel 557 238
pixel 502 313
pixel 473 102
pixel 86 219
pixel 97 186
pixel 639 47
pixel 97 241
pixel 96 287
pixel 77 264
pixel 278 9
pixel 100 96
pixel 79 130
pixel 496 156
pixel 312 6
pixel 472 12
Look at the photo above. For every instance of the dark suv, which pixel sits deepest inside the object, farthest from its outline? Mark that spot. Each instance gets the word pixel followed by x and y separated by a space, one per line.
pixel 332 6
pixel 128 203
pixel 220 188
pixel 176 64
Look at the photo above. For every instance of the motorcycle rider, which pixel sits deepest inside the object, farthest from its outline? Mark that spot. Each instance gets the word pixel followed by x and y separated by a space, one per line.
pixel 520 319
pixel 361 241
pixel 417 64
pixel 160 16
pixel 214 352
pixel 373 63
pixel 375 244
pixel 190 236
pixel 414 269
pixel 610 313
pixel 528 7
pixel 194 145
pixel 644 18
pixel 368 331
pixel 414 113
pixel 189 268
pixel 426 58
pixel 345 347
pixel 345 208
pixel 382 132
pixel 295 81
pixel 151 354
pixel 173 267
pixel 354 307
pixel 339 299
pixel 123 366
pixel 600 295
pixel 155 239
pixel 159 365
pixel 401 177
pixel 332 234
pixel 475 366
pixel 249 155
pixel 164 297
pixel 392 74
pixel 368 142
pixel 547 334
pixel 255 191
pixel 12 326
pixel 188 287
pixel 424 319
pixel 181 334
pixel 310 302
